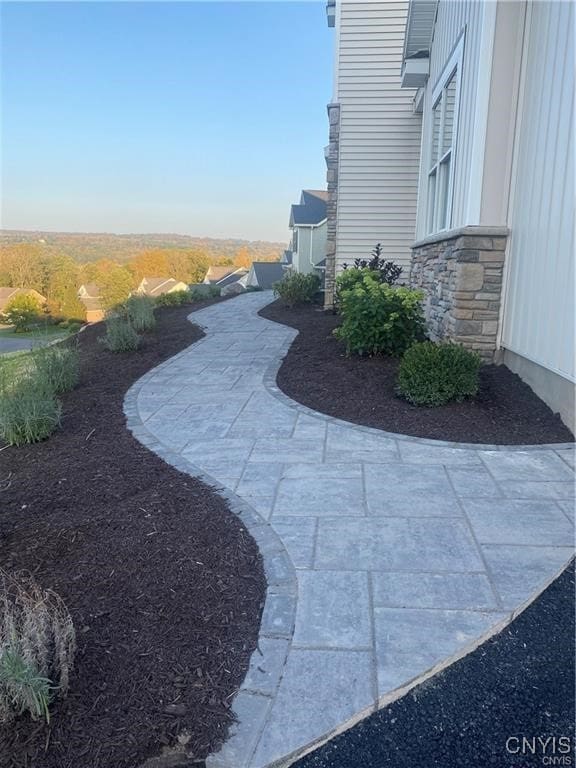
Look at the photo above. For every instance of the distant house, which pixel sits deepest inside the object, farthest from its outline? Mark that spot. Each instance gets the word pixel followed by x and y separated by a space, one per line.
pixel 223 276
pixel 8 294
pixel 89 295
pixel 286 259
pixel 263 274
pixel 308 225
pixel 157 286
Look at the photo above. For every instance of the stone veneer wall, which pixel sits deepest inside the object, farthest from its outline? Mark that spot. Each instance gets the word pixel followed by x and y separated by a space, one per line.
pixel 332 204
pixel 460 273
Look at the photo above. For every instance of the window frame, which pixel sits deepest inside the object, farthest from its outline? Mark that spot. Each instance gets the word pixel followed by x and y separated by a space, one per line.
pixel 434 176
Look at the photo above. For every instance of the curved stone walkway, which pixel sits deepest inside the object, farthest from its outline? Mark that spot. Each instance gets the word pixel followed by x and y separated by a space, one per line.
pixel 386 556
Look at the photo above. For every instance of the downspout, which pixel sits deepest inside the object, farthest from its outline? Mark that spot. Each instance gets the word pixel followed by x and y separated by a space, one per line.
pixel 312 228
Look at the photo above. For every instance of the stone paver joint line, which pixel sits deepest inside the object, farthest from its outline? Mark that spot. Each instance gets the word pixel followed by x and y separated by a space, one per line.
pixel 387 557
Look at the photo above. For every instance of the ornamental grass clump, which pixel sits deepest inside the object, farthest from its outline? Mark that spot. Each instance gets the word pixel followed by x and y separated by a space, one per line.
pixel 57 367
pixel 139 310
pixel 37 647
pixel 296 288
pixel 120 334
pixel 435 374
pixel 29 409
pixel 378 318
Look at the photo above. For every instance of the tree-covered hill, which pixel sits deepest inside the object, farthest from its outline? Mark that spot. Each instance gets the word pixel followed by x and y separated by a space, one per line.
pixel 86 247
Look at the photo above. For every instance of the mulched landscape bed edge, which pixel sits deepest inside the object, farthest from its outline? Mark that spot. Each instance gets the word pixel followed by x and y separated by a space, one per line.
pixel 361 390
pixel 195 599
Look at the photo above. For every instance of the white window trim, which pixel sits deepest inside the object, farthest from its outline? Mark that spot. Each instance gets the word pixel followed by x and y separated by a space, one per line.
pixel 454 64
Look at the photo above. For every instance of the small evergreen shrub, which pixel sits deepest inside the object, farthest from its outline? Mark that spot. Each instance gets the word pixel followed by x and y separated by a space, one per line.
pixel 120 335
pixel 139 310
pixel 379 318
pixel 296 288
pixel 37 647
pixel 175 299
pixel 214 292
pixel 29 410
pixel 57 367
pixel 436 374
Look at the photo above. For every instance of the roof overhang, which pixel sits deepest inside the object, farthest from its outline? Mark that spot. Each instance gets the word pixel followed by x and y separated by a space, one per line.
pixel 331 13
pixel 417 43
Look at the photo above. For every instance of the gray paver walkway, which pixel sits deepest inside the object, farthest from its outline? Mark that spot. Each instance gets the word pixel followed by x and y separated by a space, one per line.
pixel 385 555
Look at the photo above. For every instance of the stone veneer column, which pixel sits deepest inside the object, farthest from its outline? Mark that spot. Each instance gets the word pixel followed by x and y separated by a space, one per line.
pixel 332 204
pixel 460 272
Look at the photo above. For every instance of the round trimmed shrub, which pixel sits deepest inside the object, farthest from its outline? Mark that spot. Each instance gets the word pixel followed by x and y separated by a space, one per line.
pixel 297 288
pixel 435 374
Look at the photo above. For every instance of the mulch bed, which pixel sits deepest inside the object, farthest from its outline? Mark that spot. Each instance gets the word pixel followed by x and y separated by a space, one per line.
pixel 316 372
pixel 164 583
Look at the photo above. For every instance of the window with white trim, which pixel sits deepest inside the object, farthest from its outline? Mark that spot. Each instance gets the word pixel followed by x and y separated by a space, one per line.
pixel 444 124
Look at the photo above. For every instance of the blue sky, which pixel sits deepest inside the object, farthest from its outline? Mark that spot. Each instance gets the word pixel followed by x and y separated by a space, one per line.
pixel 196 118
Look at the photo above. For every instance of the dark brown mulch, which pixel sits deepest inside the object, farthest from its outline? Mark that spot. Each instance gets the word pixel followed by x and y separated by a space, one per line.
pixel 317 373
pixel 164 583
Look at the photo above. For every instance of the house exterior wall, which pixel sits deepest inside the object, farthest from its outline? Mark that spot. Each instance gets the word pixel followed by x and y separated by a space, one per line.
pixel 538 317
pixel 513 170
pixel 460 273
pixel 311 248
pixel 374 149
pixel 454 19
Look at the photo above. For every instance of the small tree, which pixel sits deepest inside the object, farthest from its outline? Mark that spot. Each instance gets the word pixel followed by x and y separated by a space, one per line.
pixel 23 312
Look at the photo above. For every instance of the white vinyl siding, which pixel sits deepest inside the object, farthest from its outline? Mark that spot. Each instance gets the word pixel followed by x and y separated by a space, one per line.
pixel 538 320
pixel 454 19
pixel 379 146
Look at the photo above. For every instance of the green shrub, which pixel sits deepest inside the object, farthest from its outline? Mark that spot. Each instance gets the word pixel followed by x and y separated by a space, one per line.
pixel 379 318
pixel 29 411
pixel 37 647
pixel 175 299
pixel 214 292
pixel 120 335
pixel 23 313
pixel 436 374
pixel 296 288
pixel 57 367
pixel 139 310
pixel 74 326
pixel 384 271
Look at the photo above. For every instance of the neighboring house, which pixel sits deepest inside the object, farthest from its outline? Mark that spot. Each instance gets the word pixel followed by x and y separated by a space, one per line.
pixel 89 295
pixel 286 259
pixel 373 154
pixel 263 274
pixel 223 276
pixel 157 286
pixel 8 294
pixel 493 84
pixel 309 226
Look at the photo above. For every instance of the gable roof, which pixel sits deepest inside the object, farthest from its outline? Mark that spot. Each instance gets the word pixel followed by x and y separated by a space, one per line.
pixel 89 290
pixel 312 208
pixel 7 293
pixel 155 286
pixel 267 272
pixel 224 275
pixel 287 257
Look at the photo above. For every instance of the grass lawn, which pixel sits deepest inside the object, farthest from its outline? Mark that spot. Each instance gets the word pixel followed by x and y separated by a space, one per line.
pixel 41 332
